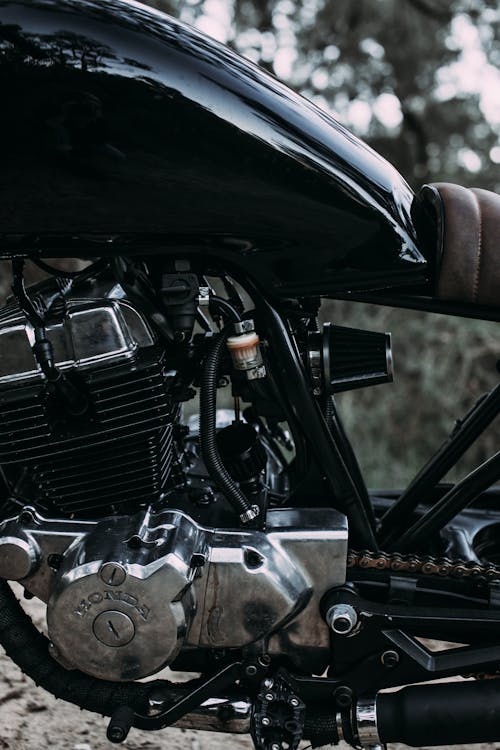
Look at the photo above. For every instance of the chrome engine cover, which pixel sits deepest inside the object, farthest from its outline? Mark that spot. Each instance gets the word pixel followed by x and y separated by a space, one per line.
pixel 122 601
pixel 129 593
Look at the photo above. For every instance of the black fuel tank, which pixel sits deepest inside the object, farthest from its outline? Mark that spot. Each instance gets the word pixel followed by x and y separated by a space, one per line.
pixel 124 131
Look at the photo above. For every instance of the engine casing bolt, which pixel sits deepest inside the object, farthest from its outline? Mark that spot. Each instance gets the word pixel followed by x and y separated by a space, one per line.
pixel 342 619
pixel 265 721
pixel 269 697
pixel 294 702
pixel 390 659
pixel 251 670
pixel 343 696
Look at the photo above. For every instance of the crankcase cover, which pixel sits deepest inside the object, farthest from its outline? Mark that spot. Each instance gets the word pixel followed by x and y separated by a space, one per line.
pixel 122 602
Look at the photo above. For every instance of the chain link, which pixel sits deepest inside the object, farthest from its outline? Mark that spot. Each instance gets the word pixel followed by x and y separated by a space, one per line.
pixel 429 566
pixel 421 565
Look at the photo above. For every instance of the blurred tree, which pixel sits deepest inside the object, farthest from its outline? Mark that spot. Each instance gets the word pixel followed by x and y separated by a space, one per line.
pixel 417 79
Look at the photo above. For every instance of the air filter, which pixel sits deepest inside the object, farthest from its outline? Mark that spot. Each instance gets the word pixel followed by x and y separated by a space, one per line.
pixel 342 359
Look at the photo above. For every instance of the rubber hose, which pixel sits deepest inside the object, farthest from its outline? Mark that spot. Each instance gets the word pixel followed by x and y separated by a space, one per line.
pixel 224 308
pixel 29 649
pixel 208 415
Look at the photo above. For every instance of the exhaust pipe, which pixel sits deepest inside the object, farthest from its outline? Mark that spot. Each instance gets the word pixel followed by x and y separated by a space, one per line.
pixel 444 714
pixel 449 713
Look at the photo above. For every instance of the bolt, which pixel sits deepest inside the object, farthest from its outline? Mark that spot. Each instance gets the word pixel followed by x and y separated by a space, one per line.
pixel 135 542
pixel 251 670
pixel 294 702
pixel 269 697
pixel 26 517
pixel 275 747
pixel 268 683
pixel 342 618
pixel 265 721
pixel 343 696
pixel 197 560
pixel 264 660
pixel 54 561
pixel 389 659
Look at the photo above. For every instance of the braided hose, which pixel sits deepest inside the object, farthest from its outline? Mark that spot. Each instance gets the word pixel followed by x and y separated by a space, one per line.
pixel 208 432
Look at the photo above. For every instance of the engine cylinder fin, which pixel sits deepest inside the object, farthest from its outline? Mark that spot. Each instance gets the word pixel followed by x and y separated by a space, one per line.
pixel 117 456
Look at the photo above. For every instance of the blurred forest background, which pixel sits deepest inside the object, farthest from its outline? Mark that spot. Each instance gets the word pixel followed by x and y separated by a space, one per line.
pixel 419 80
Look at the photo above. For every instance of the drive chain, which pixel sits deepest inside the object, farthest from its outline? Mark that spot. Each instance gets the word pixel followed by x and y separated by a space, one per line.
pixel 427 565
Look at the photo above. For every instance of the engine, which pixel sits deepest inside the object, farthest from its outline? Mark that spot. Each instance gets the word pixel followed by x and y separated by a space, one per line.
pixel 134 570
pixel 115 456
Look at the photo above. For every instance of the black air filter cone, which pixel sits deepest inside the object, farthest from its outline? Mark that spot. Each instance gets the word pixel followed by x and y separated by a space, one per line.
pixel 353 358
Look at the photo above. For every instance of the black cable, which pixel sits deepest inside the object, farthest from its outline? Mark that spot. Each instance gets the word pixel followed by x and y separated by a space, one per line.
pixel 84 273
pixel 224 308
pixel 208 432
pixel 74 400
pixel 33 314
pixel 141 293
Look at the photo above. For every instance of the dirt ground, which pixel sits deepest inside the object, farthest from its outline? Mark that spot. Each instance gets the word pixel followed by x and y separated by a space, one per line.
pixel 30 719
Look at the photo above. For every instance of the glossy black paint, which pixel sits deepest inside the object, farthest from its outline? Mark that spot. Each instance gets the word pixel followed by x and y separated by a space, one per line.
pixel 127 132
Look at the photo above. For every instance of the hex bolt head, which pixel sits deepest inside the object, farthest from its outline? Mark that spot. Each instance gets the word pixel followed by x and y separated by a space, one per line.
pixel 269 697
pixel 251 670
pixel 342 619
pixel 268 683
pixel 390 659
pixel 294 702
pixel 265 721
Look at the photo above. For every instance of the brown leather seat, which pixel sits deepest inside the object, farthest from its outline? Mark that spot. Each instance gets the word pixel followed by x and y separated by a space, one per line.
pixel 468 222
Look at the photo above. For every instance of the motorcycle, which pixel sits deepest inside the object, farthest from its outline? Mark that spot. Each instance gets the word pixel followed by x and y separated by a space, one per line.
pixel 213 209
